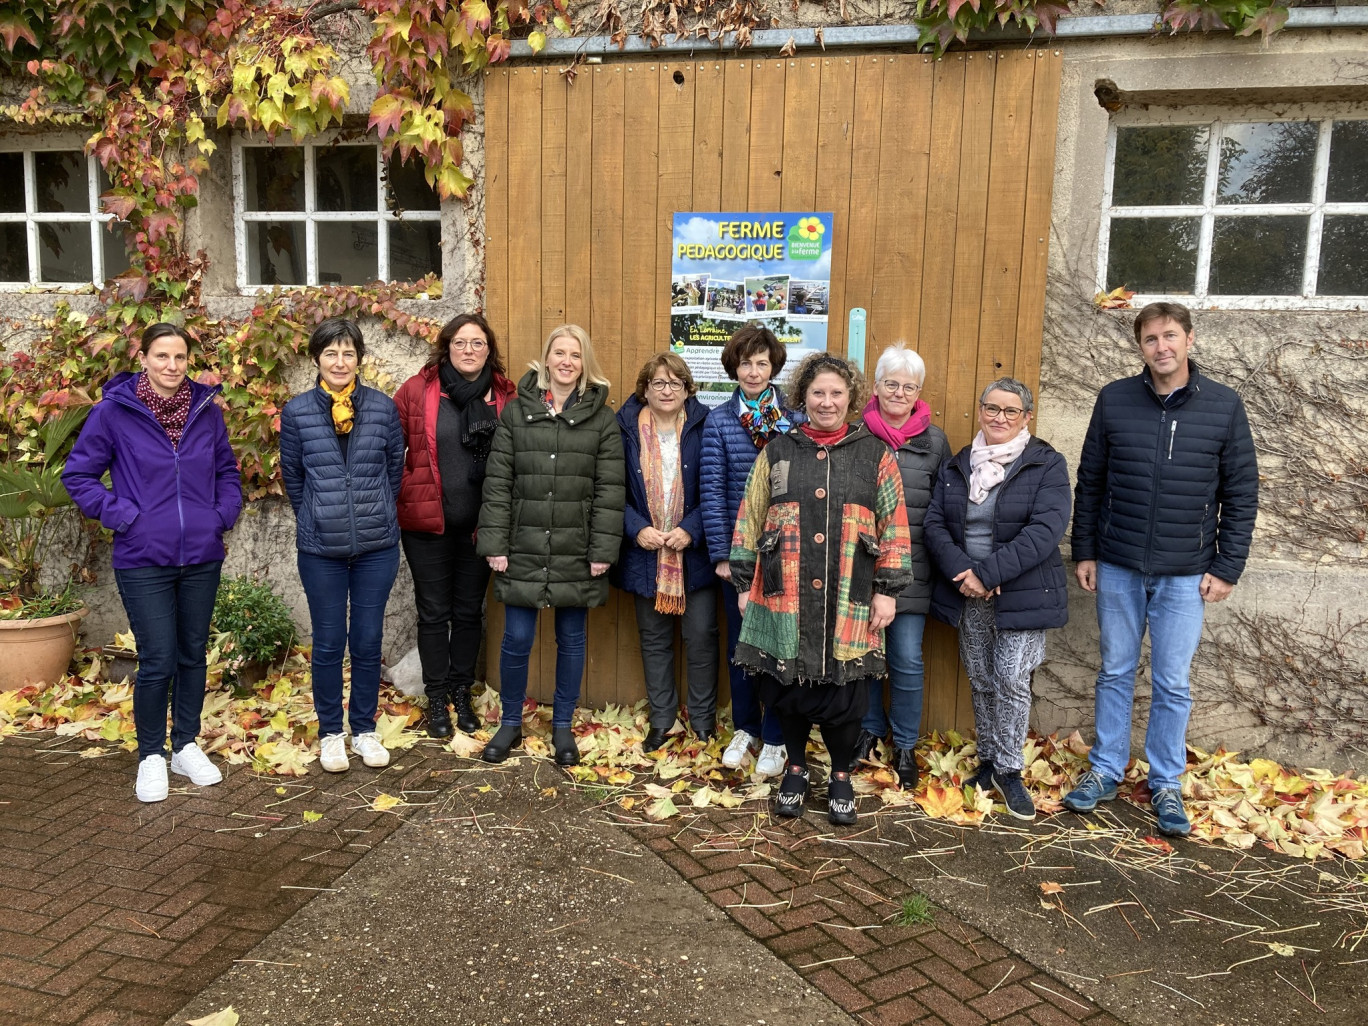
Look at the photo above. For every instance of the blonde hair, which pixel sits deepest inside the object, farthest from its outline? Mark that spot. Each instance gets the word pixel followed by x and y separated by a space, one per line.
pixel 590 371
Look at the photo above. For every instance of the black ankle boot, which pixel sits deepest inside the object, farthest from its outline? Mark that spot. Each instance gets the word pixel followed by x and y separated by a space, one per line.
pixel 655 738
pixel 567 752
pixel 465 713
pixel 905 765
pixel 439 717
pixel 504 739
pixel 864 748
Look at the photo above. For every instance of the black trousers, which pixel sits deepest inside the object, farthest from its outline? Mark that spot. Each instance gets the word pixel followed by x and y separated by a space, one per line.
pixel 836 709
pixel 449 582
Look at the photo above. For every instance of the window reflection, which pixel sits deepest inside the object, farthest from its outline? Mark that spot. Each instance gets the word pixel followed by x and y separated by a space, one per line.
pixel 1347 180
pixel 1153 254
pixel 1258 256
pixel 1160 166
pixel 1344 256
pixel 1267 163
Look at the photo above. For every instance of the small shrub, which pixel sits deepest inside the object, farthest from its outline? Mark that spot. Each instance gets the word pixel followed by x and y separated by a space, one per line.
pixel 256 617
pixel 916 911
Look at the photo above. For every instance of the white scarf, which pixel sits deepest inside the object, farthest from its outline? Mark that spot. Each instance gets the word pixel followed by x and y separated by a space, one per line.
pixel 988 463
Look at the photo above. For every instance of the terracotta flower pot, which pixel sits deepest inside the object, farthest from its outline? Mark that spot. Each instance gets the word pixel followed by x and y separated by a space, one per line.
pixel 37 651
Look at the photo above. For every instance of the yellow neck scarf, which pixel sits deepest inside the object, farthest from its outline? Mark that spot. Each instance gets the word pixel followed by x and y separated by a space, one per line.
pixel 343 414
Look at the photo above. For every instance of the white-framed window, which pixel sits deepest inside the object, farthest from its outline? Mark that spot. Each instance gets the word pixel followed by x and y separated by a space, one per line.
pixel 334 214
pixel 1238 213
pixel 52 232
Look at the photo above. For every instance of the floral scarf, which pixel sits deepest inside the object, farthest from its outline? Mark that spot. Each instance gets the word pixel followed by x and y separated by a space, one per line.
pixel 172 412
pixel 666 513
pixel 343 414
pixel 763 417
pixel 989 463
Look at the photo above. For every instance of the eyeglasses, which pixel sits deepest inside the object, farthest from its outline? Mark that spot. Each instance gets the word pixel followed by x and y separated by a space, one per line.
pixel 474 345
pixel 661 385
pixel 897 388
pixel 1009 413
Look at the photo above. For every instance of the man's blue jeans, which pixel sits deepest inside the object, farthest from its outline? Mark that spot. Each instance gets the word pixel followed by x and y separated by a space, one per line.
pixel 903 642
pixel 169 609
pixel 520 631
pixel 1172 608
pixel 328 583
pixel 745 693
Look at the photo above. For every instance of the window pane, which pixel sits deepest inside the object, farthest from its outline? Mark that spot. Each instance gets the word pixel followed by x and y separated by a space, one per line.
pixel 1344 257
pixel 1348 178
pixel 347 252
pixel 13 253
pixel 11 183
pixel 63 185
pixel 1267 163
pixel 347 178
pixel 1258 256
pixel 1153 254
pixel 415 249
pixel 64 252
pixel 274 178
pixel 115 250
pixel 408 189
pixel 1160 166
pixel 275 253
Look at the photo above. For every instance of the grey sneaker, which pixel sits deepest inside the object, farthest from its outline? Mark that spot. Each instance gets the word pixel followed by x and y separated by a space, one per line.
pixel 1092 788
pixel 1168 806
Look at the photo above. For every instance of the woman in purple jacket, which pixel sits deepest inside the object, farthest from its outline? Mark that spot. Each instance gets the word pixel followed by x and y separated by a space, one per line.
pixel 175 492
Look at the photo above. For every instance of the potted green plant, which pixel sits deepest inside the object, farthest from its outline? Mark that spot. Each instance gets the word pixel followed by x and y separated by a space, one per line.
pixel 252 628
pixel 38 624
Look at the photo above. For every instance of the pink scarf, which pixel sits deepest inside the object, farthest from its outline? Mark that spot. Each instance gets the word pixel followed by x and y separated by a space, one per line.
pixel 916 423
pixel 989 463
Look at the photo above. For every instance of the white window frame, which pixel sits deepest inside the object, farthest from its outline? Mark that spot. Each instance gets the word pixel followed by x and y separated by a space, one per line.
pixel 382 217
pixel 1316 209
pixel 31 218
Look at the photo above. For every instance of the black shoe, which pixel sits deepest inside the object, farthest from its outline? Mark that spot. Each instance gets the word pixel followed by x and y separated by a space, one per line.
pixel 864 747
pixel 1014 795
pixel 983 776
pixel 704 736
pixel 504 738
pixel 840 800
pixel 439 718
pixel 465 714
pixel 567 752
pixel 655 738
pixel 905 766
pixel 792 793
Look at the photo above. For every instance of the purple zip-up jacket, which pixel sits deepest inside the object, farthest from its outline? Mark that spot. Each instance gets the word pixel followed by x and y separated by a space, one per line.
pixel 169 506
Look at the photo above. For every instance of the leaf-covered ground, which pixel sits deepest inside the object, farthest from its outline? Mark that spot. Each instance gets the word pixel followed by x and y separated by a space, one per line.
pixel 271 727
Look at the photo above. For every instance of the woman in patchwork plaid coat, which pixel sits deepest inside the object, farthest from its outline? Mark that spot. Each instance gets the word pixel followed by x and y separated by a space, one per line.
pixel 820 553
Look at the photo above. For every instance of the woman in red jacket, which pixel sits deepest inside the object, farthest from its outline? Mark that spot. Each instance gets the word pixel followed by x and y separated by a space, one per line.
pixel 449 410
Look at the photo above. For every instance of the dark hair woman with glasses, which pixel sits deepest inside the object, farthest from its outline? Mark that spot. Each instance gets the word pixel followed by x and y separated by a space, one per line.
pixel 449 411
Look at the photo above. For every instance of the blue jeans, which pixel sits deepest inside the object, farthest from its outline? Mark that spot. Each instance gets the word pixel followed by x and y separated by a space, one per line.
pixel 745 696
pixel 169 609
pixel 520 631
pixel 1172 607
pixel 903 640
pixel 328 583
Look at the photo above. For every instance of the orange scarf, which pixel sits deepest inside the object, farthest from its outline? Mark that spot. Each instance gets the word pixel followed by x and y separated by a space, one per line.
pixel 666 512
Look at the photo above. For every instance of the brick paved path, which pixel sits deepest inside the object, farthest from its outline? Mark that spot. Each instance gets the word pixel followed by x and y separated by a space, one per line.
pixel 115 912
pixel 811 901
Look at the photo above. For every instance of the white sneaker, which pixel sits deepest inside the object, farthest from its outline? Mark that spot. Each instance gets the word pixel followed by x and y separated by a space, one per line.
pixel 372 752
pixel 333 753
pixel 742 744
pixel 151 786
pixel 191 762
pixel 773 759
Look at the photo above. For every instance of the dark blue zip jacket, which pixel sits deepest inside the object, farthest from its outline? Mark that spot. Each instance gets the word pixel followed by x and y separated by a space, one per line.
pixel 1029 520
pixel 343 508
pixel 728 454
pixel 635 570
pixel 1170 490
pixel 169 506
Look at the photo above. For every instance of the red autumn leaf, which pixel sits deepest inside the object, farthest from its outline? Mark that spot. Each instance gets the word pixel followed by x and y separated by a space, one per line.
pixel 1160 843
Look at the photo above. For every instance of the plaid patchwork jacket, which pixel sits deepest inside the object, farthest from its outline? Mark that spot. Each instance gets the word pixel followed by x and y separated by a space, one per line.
pixel 821 530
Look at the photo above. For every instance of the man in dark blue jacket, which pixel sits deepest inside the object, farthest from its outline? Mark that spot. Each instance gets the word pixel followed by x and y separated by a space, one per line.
pixel 1168 489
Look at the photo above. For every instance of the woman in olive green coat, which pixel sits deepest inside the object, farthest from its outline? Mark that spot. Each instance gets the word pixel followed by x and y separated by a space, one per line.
pixel 551 524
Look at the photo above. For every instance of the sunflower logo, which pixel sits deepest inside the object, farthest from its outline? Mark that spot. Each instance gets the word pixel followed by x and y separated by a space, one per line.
pixel 810 229
pixel 805 238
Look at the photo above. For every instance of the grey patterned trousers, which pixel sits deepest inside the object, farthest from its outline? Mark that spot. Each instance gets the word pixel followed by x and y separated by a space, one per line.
pixel 999 664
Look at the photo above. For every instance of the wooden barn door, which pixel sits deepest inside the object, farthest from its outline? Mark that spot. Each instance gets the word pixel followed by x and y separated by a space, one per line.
pixel 938 174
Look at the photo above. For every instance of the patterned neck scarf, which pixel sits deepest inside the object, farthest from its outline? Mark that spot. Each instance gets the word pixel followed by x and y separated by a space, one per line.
pixel 763 417
pixel 172 412
pixel 988 463
pixel 666 513
pixel 343 413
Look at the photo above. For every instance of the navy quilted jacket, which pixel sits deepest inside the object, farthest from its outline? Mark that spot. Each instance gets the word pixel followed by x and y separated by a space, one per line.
pixel 1029 520
pixel 728 454
pixel 342 508
pixel 1167 490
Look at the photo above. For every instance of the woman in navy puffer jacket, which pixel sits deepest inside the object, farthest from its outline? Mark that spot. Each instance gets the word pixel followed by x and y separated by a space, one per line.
pixel 342 459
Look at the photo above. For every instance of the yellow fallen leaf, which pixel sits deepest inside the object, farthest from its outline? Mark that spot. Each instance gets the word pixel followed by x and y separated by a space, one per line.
pixel 1050 887
pixel 281 791
pixel 941 802
pixel 627 803
pixel 312 817
pixel 384 802
pixel 464 745
pixel 661 808
pixel 727 799
pixel 223 1017
pixel 702 797
pixel 485 788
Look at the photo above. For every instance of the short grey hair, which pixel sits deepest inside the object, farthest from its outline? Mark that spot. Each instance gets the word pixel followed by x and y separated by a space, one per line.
pixel 898 357
pixel 1014 386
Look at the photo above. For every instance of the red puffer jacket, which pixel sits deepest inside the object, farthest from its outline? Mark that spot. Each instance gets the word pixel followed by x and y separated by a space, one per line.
pixel 420 495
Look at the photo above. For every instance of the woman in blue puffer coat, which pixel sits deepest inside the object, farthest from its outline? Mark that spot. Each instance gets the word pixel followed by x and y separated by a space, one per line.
pixel 342 459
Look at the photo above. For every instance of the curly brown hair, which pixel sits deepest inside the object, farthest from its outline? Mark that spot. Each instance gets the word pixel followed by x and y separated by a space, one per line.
pixel 673 363
pixel 820 363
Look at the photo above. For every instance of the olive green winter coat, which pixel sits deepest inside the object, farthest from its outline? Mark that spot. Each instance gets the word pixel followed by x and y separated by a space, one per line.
pixel 553 499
